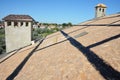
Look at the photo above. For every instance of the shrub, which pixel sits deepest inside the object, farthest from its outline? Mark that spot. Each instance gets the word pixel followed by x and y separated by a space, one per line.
pixel 2 41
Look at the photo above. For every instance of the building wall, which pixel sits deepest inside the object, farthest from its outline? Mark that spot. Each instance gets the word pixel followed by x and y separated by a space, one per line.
pixel 100 12
pixel 17 36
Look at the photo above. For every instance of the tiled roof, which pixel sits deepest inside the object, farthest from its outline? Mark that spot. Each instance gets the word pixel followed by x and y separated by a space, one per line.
pixel 76 53
pixel 101 5
pixel 13 17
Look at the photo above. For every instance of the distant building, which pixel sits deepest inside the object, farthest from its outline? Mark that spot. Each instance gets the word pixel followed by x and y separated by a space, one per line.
pixel 35 26
pixel 18 32
pixel 100 10
pixel 1 25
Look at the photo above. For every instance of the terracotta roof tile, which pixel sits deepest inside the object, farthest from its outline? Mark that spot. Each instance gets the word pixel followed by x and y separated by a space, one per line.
pixel 18 17
pixel 61 56
pixel 101 5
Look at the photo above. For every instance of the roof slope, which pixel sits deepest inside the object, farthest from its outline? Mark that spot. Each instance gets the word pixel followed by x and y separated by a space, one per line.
pixel 13 17
pixel 110 19
pixel 77 53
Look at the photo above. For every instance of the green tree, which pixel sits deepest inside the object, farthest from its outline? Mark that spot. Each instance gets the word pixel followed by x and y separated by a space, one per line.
pixel 2 41
pixel 69 24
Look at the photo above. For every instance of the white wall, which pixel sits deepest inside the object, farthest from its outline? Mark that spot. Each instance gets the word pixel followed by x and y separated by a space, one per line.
pixel 17 36
pixel 100 13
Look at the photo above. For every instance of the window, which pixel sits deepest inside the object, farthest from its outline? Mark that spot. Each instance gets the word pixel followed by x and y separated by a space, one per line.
pixel 8 23
pixel 103 10
pixel 100 9
pixel 26 23
pixel 15 24
pixel 21 24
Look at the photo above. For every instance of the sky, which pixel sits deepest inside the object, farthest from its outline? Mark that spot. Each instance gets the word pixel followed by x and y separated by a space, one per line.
pixel 57 11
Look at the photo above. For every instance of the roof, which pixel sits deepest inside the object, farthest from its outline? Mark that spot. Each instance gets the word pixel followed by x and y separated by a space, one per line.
pixel 13 17
pixel 76 53
pixel 101 5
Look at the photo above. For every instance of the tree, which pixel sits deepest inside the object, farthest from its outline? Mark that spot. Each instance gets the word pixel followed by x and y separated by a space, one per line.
pixel 64 25
pixel 70 24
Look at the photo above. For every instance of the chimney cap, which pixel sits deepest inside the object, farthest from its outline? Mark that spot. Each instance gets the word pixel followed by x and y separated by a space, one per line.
pixel 101 5
pixel 14 17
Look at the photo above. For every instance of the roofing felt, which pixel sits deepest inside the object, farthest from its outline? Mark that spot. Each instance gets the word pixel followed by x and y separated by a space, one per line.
pixel 62 56
pixel 13 17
